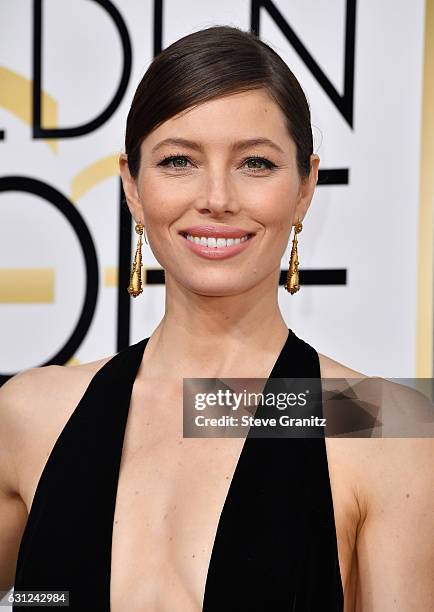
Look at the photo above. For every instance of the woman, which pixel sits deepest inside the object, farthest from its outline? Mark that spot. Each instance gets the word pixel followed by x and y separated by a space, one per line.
pixel 218 146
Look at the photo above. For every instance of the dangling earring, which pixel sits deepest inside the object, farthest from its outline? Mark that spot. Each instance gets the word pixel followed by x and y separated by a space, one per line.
pixel 136 287
pixel 292 281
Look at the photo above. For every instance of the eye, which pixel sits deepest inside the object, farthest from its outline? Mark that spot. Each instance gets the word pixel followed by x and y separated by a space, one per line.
pixel 167 160
pixel 257 159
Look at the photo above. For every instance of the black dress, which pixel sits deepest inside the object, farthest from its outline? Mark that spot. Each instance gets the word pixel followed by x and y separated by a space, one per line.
pixel 275 548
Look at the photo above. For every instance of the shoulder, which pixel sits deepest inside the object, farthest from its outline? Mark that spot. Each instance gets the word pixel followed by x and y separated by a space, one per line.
pixel 334 369
pixel 34 407
pixel 382 465
pixel 29 393
pixel 404 454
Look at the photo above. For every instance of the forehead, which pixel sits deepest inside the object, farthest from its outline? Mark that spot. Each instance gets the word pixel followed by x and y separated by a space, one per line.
pixel 223 120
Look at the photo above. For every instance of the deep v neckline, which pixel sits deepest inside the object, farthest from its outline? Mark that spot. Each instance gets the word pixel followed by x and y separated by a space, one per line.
pixel 275 545
pixel 139 349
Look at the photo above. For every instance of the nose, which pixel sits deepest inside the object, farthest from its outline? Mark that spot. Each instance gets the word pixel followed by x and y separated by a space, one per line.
pixel 219 195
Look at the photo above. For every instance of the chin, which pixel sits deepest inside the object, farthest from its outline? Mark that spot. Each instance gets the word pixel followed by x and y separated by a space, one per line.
pixel 215 290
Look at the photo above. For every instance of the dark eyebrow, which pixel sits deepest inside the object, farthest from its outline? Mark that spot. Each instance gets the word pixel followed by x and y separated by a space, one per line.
pixel 236 146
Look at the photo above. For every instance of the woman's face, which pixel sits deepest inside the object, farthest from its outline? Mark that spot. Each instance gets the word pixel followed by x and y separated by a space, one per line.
pixel 212 176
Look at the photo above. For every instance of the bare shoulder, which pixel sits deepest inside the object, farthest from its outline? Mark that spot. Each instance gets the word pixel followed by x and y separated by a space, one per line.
pixel 29 396
pixel 346 463
pixel 403 453
pixel 384 486
pixel 345 452
pixel 35 405
pixel 391 476
pixel 405 412
pixel 330 368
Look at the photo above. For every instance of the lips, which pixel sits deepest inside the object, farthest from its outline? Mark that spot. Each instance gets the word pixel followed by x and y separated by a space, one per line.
pixel 216 251
pixel 213 231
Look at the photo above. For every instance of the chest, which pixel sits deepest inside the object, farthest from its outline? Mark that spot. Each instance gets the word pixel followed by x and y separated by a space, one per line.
pixel 169 500
pixel 170 497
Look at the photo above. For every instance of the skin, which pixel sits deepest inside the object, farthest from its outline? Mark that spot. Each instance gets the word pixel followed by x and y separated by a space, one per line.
pixel 213 307
pixel 221 319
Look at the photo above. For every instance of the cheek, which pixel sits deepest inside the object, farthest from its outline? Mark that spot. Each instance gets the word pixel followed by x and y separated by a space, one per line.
pixel 274 203
pixel 162 200
pixel 270 202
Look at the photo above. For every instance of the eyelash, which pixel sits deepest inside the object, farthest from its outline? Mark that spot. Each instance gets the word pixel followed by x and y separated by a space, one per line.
pixel 269 164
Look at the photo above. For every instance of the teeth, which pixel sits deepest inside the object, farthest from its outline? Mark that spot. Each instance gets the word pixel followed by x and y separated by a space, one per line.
pixel 215 242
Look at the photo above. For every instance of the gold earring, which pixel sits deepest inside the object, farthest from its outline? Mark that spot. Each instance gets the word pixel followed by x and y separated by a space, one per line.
pixel 135 288
pixel 292 281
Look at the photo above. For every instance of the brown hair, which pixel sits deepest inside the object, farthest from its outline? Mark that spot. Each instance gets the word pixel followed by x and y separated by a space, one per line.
pixel 210 63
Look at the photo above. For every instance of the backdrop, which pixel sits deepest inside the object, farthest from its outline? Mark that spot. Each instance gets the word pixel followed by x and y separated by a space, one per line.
pixel 68 72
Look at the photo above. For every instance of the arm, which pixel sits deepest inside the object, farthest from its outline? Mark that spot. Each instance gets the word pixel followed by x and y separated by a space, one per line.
pixel 34 407
pixel 395 546
pixel 13 511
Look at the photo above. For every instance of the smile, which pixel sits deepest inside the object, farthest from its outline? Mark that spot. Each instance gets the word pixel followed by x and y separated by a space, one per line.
pixel 216 242
pixel 211 247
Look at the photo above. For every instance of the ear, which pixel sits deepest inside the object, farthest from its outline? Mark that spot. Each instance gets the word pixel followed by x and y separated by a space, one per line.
pixel 130 189
pixel 307 188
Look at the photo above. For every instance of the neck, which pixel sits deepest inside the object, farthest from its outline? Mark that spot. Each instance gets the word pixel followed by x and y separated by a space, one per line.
pixel 230 335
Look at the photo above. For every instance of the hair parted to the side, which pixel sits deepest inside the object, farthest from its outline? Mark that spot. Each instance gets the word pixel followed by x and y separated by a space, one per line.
pixel 211 63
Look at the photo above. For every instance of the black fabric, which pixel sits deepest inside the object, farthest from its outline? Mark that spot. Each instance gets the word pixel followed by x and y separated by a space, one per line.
pixel 275 548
